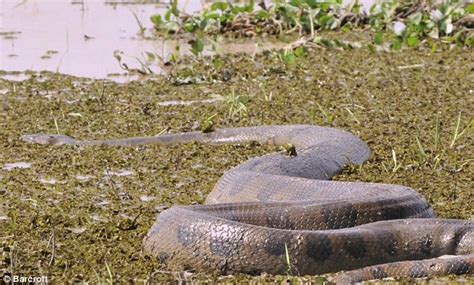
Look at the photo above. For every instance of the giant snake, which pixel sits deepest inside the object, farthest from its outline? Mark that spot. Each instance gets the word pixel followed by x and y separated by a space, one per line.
pixel 281 213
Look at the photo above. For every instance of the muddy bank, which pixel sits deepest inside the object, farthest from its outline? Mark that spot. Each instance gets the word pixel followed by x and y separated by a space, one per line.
pixel 79 214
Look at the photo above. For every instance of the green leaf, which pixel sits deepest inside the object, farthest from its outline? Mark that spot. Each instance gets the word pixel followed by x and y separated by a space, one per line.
pixel 356 9
pixel 217 63
pixel 262 15
pixel 375 23
pixel 219 6
pixel 156 20
pixel 174 8
pixel 340 44
pixel 203 25
pixel 150 56
pixel 469 9
pixel 327 43
pixel 168 15
pixel 373 8
pixel 346 28
pixel 416 18
pixel 371 47
pixel 469 42
pixel 197 46
pixel 300 51
pixel 430 25
pixel 237 10
pixel 290 58
pixel 297 3
pixel 249 7
pixel 226 19
pixel 378 39
pixel 211 15
pixel 174 57
pixel 396 44
pixel 447 27
pixel 207 125
pixel 413 41
pixel 312 3
pixel 190 27
pixel 324 20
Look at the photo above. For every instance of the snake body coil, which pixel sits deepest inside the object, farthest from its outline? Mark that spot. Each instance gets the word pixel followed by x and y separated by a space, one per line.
pixel 277 206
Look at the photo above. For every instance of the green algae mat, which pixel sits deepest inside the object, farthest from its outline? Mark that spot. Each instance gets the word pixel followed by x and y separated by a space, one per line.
pixel 79 214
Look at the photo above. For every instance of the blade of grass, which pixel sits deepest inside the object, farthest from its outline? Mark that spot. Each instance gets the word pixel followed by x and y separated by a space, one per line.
pixel 458 134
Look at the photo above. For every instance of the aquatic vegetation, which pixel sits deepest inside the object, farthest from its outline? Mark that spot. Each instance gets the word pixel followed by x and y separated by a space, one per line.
pixel 237 105
pixel 422 21
pixel 79 215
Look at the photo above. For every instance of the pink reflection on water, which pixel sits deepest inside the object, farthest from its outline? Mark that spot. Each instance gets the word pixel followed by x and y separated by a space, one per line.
pixel 77 37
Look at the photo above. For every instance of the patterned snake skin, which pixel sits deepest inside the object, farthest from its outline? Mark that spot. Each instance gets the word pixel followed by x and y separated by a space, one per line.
pixel 279 207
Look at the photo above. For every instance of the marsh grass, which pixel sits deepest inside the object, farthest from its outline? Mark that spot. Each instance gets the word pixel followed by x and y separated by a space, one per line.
pixel 89 224
pixel 237 105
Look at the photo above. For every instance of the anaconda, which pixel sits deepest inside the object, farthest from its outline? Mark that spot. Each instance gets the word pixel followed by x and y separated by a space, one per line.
pixel 278 208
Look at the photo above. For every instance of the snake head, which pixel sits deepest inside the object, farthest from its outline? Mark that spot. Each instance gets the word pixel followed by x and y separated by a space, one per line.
pixel 48 139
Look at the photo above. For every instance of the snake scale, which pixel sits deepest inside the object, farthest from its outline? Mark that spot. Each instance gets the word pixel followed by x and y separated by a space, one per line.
pixel 278 208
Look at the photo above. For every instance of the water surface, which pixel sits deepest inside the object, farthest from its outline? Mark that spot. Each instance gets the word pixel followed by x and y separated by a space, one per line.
pixel 80 37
